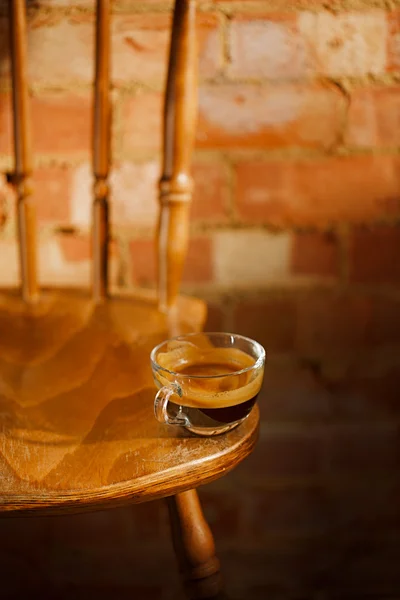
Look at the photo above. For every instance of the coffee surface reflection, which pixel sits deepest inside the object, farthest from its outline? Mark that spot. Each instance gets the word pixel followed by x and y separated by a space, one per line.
pixel 219 385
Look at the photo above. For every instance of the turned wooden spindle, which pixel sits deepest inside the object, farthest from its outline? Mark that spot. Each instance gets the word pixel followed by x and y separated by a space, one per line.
pixel 101 150
pixel 22 151
pixel 194 547
pixel 175 186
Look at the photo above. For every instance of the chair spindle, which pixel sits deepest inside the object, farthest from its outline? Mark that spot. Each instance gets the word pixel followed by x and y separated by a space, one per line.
pixel 101 151
pixel 22 151
pixel 175 187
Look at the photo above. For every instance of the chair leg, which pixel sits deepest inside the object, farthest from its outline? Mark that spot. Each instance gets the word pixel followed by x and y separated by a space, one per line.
pixel 194 547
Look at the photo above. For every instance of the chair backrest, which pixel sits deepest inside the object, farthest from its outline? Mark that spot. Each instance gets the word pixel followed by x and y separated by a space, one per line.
pixel 175 188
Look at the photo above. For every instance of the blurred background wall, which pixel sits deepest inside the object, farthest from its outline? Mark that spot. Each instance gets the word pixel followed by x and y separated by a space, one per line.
pixel 295 241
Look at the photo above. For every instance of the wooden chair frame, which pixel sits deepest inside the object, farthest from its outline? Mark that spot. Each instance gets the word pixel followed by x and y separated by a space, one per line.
pixel 203 460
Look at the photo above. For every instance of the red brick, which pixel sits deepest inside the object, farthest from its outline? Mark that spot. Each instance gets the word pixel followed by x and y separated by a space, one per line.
pixel 365 507
pixel 4 47
pixel 142 122
pixel 210 192
pixel 272 322
pixel 104 565
pixel 284 115
pixel 135 195
pixel 267 45
pixel 143 260
pixel 282 567
pixel 6 200
pixel 210 44
pixel 244 115
pixel 88 531
pixel 61 123
pixel 319 192
pixel 373 117
pixel 198 266
pixel 305 510
pixel 254 257
pixel 51 187
pixel 50 3
pixel 368 448
pixel 5 124
pixel 293 393
pixel 285 455
pixel 46 54
pixel 374 254
pixel 127 4
pixel 34 531
pixel 141 45
pixel 348 43
pixel 216 317
pixel 393 44
pixel 150 591
pixel 332 323
pixel 18 587
pixel 315 253
pixel 223 512
pixel 282 5
pixel 75 248
pixel 9 263
pixel 83 556
pixel 149 521
pixel 385 326
pixel 369 397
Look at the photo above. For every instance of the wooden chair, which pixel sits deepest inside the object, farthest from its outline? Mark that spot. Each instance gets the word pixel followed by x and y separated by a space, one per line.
pixel 77 430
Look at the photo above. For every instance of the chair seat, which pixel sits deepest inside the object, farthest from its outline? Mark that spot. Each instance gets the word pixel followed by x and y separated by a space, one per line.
pixel 77 429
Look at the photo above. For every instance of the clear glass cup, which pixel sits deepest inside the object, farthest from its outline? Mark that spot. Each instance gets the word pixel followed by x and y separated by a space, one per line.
pixel 207 382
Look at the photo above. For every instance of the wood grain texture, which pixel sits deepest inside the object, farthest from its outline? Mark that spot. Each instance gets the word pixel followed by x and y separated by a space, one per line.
pixel 101 150
pixel 22 151
pixel 180 109
pixel 194 547
pixel 77 429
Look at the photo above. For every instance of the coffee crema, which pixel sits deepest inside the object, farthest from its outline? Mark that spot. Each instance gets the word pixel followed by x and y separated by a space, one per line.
pixel 217 383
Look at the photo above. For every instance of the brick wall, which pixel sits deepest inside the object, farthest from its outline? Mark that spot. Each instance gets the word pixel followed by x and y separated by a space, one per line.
pixel 295 241
pixel 296 144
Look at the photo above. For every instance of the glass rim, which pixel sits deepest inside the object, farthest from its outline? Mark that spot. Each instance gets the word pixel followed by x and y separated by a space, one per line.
pixel 259 361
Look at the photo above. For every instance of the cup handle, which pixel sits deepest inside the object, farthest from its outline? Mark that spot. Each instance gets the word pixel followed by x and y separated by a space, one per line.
pixel 161 407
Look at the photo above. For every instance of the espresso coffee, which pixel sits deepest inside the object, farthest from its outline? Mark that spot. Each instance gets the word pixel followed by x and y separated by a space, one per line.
pixel 218 385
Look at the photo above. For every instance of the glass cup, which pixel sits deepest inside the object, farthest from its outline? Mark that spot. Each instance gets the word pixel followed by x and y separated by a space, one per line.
pixel 207 382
